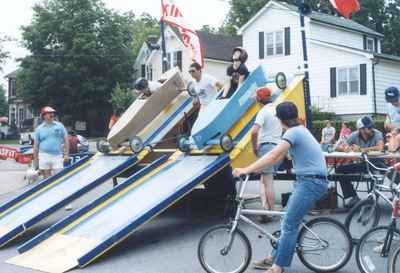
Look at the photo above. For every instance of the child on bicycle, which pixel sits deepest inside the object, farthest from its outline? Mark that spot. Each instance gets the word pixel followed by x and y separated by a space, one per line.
pixel 310 185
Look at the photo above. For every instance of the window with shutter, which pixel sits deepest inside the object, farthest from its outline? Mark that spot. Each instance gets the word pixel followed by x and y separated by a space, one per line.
pixel 287 41
pixel 261 45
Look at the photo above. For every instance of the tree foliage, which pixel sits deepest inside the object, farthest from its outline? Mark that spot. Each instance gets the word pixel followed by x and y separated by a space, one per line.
pixel 79 51
pixel 143 27
pixel 3 53
pixel 121 98
pixel 380 15
pixel 3 102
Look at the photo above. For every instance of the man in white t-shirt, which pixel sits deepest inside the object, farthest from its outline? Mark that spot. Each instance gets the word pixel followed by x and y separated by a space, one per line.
pixel 146 88
pixel 266 134
pixel 205 85
pixel 327 136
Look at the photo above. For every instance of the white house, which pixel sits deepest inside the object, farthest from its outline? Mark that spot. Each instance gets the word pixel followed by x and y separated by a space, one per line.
pixel 348 72
pixel 217 55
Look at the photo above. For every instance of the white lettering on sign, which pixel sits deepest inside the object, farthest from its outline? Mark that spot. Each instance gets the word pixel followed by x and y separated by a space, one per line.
pixel 7 152
pixel 250 94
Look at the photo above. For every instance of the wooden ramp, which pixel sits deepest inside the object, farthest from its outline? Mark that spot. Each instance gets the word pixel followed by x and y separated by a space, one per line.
pixel 58 254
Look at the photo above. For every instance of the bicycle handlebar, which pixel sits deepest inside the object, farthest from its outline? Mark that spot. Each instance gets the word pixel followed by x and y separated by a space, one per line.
pixel 366 159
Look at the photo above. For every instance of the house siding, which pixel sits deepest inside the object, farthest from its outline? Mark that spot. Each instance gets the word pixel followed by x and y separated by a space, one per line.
pixel 386 74
pixel 269 21
pixel 216 69
pixel 333 35
pixel 322 58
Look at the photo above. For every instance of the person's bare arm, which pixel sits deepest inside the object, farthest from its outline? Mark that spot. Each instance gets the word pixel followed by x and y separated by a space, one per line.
pixel 254 137
pixel 270 159
pixel 227 86
pixel 394 142
pixel 378 147
pixel 66 147
pixel 36 153
pixel 218 86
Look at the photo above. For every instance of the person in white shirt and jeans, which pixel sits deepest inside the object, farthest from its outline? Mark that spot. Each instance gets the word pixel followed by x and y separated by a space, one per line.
pixel 266 134
pixel 206 86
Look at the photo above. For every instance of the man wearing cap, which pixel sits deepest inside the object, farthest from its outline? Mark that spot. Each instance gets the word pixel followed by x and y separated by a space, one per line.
pixel 51 146
pixel 265 135
pixel 364 140
pixel 146 88
pixel 392 96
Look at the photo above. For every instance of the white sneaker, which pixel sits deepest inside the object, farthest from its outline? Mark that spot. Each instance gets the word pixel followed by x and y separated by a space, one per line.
pixel 68 208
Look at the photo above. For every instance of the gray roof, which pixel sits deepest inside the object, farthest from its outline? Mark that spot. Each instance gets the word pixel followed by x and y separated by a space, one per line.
pixel 336 21
pixel 12 74
pixel 216 46
pixel 376 55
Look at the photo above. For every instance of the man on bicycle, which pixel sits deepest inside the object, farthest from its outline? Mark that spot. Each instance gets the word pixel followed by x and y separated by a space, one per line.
pixel 311 181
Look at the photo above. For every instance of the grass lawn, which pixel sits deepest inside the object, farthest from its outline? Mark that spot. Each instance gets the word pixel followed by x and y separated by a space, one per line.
pixel 8 141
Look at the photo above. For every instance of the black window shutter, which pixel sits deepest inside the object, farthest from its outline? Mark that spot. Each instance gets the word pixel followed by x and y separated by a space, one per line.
pixel 261 44
pixel 143 71
pixel 333 82
pixel 365 41
pixel 287 41
pixel 179 59
pixel 363 79
pixel 376 44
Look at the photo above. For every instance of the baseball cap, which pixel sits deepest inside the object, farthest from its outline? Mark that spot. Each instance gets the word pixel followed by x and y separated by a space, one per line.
pixel 392 94
pixel 365 122
pixel 286 111
pixel 263 94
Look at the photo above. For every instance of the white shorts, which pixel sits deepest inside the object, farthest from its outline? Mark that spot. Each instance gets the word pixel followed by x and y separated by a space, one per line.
pixel 50 162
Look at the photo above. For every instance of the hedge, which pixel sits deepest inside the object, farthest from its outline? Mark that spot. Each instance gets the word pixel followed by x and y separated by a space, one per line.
pixel 318 125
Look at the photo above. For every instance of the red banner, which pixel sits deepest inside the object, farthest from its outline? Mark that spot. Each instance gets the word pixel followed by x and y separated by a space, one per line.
pixel 346 7
pixel 172 15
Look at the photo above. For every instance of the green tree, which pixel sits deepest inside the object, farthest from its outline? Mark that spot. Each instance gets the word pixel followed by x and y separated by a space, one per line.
pixel 3 102
pixel 143 27
pixel 79 51
pixel 391 28
pixel 3 53
pixel 121 98
pixel 242 11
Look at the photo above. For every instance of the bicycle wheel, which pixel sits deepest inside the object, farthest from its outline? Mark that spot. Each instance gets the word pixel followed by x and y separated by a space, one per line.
pixel 324 245
pixel 362 217
pixel 368 251
pixel 394 260
pixel 214 255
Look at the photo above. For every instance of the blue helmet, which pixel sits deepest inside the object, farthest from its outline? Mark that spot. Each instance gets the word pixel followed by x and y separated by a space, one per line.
pixel 141 84
pixel 392 94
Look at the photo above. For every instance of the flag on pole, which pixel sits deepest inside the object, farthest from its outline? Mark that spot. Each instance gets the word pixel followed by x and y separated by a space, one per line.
pixel 172 15
pixel 346 7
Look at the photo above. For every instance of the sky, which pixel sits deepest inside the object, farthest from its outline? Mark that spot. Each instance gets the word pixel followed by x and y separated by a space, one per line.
pixel 17 13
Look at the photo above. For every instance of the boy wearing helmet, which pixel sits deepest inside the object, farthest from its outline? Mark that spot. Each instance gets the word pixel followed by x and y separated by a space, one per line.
pixel 364 140
pixel 237 72
pixel 265 135
pixel 392 96
pixel 51 146
pixel 146 88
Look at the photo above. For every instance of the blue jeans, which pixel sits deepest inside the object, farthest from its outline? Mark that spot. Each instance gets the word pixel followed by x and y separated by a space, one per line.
pixel 306 193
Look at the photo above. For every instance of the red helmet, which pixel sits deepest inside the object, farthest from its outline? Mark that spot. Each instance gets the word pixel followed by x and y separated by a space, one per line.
pixel 263 94
pixel 243 53
pixel 47 109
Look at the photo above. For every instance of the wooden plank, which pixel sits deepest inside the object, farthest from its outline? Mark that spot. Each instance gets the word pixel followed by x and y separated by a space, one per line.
pixel 57 254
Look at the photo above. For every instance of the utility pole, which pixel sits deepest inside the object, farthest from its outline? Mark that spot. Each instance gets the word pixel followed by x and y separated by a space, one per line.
pixel 303 10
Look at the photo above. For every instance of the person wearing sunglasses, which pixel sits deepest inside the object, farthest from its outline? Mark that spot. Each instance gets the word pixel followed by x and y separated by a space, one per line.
pixel 364 140
pixel 205 85
pixel 237 72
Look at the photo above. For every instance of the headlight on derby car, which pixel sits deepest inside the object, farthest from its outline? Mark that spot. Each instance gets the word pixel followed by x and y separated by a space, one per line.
pixel 103 146
pixel 136 144
pixel 184 144
pixel 281 81
pixel 226 143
